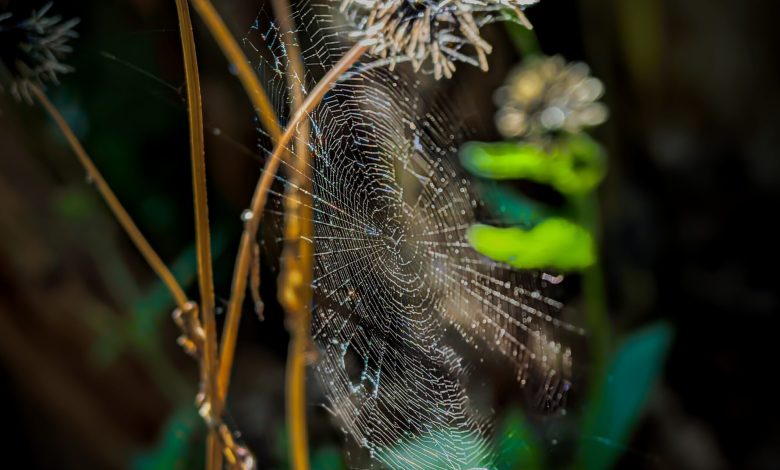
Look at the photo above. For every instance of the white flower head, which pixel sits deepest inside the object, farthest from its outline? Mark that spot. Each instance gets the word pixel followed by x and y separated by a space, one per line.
pixel 431 34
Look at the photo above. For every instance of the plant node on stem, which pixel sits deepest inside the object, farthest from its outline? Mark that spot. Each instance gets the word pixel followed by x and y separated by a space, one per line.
pixel 193 341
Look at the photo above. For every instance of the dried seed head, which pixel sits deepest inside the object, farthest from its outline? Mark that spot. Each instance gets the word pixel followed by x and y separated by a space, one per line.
pixel 31 50
pixel 431 34
pixel 546 95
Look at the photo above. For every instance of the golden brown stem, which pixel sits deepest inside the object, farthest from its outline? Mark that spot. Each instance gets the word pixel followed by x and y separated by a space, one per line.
pixel 124 219
pixel 295 389
pixel 259 198
pixel 202 230
pixel 262 105
pixel 295 292
pixel 192 340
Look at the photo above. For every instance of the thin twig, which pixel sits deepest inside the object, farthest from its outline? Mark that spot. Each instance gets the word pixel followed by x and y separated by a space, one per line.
pixel 295 292
pixel 202 230
pixel 265 113
pixel 124 219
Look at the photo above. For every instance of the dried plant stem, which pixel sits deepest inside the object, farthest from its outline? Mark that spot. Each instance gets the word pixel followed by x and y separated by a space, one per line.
pixel 202 230
pixel 237 455
pixel 246 74
pixel 193 340
pixel 259 199
pixel 265 112
pixel 124 219
pixel 295 292
pixel 295 389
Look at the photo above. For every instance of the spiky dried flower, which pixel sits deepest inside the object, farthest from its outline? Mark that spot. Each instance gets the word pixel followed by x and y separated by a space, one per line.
pixel 31 50
pixel 434 33
pixel 546 95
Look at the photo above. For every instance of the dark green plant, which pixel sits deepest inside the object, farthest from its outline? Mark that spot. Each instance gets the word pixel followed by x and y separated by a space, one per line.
pixel 562 240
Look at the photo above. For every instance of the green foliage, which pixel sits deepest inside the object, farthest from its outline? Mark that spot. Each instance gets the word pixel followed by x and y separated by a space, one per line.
pixel 542 237
pixel 553 243
pixel 76 204
pixel 437 449
pixel 524 39
pixel 141 330
pixel 321 458
pixel 174 448
pixel 612 412
pixel 617 402
pixel 516 446
pixel 327 458
pixel 514 208
pixel 574 164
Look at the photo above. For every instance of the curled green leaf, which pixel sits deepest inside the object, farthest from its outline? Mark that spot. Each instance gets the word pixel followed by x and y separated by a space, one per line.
pixel 574 165
pixel 555 243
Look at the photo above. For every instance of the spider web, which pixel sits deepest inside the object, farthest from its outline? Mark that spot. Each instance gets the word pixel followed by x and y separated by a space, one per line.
pixel 403 304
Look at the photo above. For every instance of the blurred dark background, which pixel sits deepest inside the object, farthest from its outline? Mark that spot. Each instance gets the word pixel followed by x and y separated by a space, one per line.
pixel 90 373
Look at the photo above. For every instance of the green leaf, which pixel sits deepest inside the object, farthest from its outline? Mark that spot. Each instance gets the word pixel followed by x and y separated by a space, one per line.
pixel 619 399
pixel 574 164
pixel 438 449
pixel 174 449
pixel 555 243
pixel 322 458
pixel 327 458
pixel 517 448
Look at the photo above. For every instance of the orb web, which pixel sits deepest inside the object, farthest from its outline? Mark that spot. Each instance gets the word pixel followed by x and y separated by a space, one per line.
pixel 403 304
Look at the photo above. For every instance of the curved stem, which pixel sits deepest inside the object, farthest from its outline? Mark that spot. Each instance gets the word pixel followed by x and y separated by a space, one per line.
pixel 124 219
pixel 202 230
pixel 265 113
pixel 259 198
